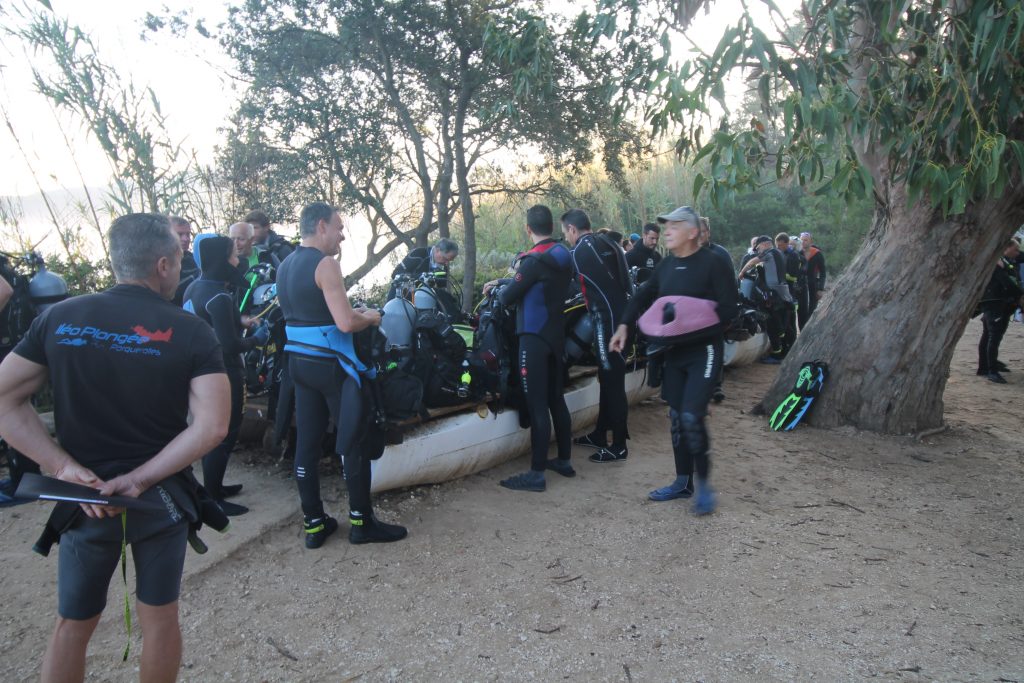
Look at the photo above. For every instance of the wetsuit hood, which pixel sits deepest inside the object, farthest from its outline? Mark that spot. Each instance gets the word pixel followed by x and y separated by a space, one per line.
pixel 212 254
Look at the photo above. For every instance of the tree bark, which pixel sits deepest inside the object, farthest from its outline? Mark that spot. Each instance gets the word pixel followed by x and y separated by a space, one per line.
pixel 462 169
pixel 888 326
pixel 444 181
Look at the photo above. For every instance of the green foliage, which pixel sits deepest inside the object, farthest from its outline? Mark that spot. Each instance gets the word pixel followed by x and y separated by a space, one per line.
pixel 82 276
pixel 256 174
pixel 149 171
pixel 927 94
pixel 838 226
pixel 391 108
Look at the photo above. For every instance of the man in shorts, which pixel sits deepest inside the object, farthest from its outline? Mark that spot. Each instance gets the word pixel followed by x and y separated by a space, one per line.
pixel 127 367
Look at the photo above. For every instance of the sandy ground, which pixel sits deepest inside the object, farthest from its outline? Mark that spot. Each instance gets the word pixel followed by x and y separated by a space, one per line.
pixel 835 555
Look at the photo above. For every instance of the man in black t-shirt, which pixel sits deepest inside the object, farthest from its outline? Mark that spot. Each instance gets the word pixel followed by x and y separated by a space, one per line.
pixel 644 254
pixel 127 367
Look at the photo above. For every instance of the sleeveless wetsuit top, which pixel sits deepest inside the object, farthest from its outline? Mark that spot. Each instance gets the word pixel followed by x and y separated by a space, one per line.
pixel 302 302
pixel 309 325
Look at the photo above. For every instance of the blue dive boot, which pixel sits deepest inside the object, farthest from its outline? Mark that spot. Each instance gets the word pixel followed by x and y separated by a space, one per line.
pixel 682 487
pixel 705 501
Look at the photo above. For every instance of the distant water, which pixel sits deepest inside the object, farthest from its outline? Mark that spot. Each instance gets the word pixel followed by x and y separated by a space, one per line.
pixel 36 227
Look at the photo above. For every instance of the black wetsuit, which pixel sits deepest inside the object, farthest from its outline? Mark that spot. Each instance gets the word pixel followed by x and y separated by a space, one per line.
pixel 323 389
pixel 722 253
pixel 997 305
pixel 539 290
pixel 815 277
pixel 690 369
pixel 274 250
pixel 771 278
pixel 796 276
pixel 418 261
pixel 189 274
pixel 210 298
pixel 601 269
pixel 796 281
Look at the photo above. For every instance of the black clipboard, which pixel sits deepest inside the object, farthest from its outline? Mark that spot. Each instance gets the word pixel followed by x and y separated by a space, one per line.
pixel 37 487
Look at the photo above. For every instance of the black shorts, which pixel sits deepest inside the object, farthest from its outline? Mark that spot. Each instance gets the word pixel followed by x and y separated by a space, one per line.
pixel 90 552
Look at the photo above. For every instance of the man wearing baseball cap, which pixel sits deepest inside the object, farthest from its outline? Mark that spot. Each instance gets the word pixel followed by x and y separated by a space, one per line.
pixel 688 276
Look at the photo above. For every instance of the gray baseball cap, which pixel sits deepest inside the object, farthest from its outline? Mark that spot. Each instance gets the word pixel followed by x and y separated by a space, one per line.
pixel 683 213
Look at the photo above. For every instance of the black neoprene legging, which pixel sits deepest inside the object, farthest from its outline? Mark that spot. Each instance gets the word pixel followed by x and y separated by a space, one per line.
pixel 994 324
pixel 215 463
pixel 323 390
pixel 688 380
pixel 613 407
pixel 540 375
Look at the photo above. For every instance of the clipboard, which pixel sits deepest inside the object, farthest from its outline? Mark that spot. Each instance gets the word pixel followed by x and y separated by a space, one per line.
pixel 37 487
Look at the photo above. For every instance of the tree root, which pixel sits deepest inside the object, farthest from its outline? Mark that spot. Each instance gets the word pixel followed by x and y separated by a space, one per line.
pixel 921 436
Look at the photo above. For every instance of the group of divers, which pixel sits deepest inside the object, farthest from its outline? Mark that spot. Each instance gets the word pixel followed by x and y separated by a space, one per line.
pixel 126 369
pixel 682 309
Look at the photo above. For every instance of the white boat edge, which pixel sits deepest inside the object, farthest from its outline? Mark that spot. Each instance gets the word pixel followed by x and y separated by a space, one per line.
pixel 465 443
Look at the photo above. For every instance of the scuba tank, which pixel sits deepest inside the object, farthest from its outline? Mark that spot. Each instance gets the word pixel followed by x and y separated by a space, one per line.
pixel 46 288
pixel 425 299
pixel 580 337
pixel 263 295
pixel 398 323
pixel 747 288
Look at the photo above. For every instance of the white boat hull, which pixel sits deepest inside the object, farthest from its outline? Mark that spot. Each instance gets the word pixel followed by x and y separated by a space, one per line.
pixel 745 352
pixel 465 443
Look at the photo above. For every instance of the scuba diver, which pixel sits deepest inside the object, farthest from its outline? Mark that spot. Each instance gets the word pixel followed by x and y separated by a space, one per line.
pixel 320 322
pixel 436 259
pixel 771 277
pixel 539 289
pixel 691 284
pixel 604 280
pixel 210 298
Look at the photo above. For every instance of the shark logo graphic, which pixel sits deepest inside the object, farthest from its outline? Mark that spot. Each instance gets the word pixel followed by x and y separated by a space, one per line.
pixel 78 341
pixel 158 336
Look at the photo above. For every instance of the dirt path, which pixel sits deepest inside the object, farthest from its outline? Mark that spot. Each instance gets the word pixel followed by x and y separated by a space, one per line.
pixel 835 555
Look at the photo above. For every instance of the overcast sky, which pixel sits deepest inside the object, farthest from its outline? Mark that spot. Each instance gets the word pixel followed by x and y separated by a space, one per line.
pixel 196 97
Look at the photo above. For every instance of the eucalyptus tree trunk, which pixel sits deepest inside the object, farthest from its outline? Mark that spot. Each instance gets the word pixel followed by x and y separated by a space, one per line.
pixel 462 179
pixel 444 180
pixel 888 326
pixel 468 224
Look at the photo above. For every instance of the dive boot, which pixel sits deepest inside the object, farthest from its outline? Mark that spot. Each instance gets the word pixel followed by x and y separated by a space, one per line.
pixel 369 529
pixel 318 529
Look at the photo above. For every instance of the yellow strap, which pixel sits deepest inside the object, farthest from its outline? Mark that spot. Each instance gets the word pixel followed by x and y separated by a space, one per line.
pixel 124 577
